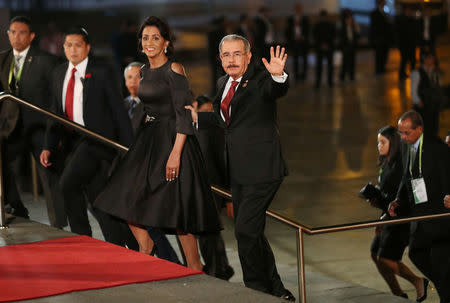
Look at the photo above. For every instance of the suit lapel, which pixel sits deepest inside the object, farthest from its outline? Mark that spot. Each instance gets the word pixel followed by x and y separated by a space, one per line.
pixel 59 83
pixel 240 91
pixel 222 82
pixel 6 68
pixel 86 83
pixel 27 65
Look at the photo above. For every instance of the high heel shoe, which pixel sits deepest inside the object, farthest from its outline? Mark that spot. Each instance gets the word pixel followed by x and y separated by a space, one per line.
pixel 154 250
pixel 425 290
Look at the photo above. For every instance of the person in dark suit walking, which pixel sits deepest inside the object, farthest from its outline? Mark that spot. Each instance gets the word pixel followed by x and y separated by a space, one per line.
pixel 25 71
pixel 348 41
pixel 297 36
pixel 406 29
pixel 264 33
pixel 380 36
pixel 425 182
pixel 324 34
pixel 87 93
pixel 245 107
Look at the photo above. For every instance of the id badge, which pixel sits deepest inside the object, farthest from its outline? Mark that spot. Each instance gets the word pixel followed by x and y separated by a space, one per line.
pixel 419 190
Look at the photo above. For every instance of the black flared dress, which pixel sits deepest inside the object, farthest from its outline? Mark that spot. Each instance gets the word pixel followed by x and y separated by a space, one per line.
pixel 138 191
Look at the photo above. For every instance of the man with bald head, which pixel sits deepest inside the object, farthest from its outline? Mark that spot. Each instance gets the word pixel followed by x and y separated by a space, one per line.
pixel 425 183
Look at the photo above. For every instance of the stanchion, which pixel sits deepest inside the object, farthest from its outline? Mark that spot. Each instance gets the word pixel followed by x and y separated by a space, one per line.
pixel 301 279
pixel 34 178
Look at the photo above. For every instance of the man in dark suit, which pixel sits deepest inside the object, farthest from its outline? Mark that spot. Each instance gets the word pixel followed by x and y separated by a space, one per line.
pixel 264 33
pixel 380 36
pixel 324 34
pixel 245 107
pixel 297 35
pixel 430 26
pixel 87 93
pixel 426 181
pixel 406 30
pixel 25 71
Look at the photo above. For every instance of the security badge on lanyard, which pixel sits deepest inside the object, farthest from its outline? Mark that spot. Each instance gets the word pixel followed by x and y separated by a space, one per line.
pixel 418 185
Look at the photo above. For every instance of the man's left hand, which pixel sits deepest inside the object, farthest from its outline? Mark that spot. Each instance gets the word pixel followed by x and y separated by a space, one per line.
pixel 277 61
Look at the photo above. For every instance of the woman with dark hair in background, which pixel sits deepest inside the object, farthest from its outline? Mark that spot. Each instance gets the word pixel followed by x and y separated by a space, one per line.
pixel 162 181
pixel 390 241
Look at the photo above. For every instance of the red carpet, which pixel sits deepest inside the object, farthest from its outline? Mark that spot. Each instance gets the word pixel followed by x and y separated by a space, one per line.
pixel 69 264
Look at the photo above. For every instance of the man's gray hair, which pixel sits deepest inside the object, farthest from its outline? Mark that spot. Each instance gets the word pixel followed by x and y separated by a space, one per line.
pixel 234 37
pixel 135 63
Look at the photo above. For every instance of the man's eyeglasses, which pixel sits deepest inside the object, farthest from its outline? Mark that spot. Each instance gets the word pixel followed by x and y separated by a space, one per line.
pixel 232 55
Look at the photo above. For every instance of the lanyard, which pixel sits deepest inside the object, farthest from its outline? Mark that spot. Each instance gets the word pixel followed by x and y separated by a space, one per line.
pixel 11 71
pixel 411 160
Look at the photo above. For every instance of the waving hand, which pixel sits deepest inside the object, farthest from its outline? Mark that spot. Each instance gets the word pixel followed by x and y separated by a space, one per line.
pixel 277 61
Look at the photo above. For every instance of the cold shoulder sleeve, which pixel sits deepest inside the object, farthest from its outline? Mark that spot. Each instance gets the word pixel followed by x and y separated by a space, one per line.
pixel 179 86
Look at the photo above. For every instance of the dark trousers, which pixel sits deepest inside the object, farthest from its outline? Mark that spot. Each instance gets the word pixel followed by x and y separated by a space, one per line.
pixel 328 55
pixel 21 144
pixel 429 250
pixel 408 56
pixel 250 203
pixel 381 56
pixel 299 50
pixel 82 179
pixel 348 63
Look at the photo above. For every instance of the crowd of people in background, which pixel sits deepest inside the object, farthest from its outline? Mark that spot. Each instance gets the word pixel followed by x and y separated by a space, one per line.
pixel 156 120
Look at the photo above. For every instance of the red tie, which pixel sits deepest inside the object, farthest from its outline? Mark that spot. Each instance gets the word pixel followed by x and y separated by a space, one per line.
pixel 225 105
pixel 69 95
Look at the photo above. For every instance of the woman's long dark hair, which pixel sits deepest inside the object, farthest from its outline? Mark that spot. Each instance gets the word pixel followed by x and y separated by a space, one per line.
pixel 164 30
pixel 390 133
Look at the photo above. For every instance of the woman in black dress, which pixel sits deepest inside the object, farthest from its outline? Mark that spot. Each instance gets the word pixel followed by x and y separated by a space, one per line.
pixel 390 241
pixel 162 181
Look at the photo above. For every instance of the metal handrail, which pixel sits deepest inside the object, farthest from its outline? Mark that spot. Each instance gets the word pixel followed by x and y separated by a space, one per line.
pixel 301 228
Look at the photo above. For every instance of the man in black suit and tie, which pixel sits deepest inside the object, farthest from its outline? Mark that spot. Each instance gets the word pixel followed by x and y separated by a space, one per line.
pixel 297 35
pixel 87 93
pixel 245 107
pixel 133 104
pixel 324 34
pixel 25 71
pixel 380 36
pixel 426 181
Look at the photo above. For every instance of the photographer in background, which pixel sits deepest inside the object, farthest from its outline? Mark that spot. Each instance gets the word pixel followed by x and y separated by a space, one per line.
pixel 390 241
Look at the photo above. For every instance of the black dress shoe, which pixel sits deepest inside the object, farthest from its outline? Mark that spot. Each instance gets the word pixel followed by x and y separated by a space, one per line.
pixel 425 290
pixel 288 296
pixel 20 212
pixel 225 274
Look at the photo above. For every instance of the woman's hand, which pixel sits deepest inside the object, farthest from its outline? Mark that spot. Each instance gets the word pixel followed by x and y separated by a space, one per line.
pixel 173 166
pixel 193 110
pixel 447 201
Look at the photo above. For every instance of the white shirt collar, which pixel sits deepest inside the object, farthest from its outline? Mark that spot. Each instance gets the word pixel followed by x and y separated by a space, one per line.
pixel 230 79
pixel 81 67
pixel 22 53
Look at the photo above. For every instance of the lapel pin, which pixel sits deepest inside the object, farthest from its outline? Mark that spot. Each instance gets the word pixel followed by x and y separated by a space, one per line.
pixel 29 59
pixel 245 83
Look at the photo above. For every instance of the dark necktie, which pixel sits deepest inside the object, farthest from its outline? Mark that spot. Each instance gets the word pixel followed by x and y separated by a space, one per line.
pixel 225 105
pixel 133 104
pixel 69 95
